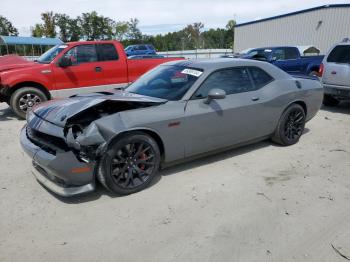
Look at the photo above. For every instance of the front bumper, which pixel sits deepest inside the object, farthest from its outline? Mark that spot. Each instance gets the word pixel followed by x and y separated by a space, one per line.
pixel 337 91
pixel 62 173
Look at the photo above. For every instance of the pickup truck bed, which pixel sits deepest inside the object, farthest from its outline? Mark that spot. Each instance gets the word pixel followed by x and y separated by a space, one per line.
pixel 288 58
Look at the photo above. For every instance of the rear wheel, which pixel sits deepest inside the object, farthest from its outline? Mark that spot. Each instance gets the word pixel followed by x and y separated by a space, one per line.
pixel 24 99
pixel 130 164
pixel 329 100
pixel 291 126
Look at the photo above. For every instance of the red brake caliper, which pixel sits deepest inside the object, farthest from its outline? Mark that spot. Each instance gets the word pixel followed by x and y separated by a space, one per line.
pixel 142 157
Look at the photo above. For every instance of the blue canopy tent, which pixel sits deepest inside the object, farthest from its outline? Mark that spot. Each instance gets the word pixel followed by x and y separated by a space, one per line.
pixel 26 46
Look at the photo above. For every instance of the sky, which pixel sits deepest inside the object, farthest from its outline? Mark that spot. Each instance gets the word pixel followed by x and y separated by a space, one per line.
pixel 157 16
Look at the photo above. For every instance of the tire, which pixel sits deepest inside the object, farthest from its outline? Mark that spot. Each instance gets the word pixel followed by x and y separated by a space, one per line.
pixel 25 98
pixel 130 165
pixel 329 100
pixel 290 126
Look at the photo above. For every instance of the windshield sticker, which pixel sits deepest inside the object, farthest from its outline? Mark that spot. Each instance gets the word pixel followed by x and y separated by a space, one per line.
pixel 192 72
pixel 268 50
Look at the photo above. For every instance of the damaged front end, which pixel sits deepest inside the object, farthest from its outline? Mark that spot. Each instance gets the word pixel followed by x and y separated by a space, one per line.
pixel 65 138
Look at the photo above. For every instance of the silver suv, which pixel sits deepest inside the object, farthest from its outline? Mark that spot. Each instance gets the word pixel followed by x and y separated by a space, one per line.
pixel 335 71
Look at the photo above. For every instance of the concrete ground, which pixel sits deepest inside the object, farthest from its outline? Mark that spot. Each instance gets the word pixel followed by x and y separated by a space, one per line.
pixel 257 203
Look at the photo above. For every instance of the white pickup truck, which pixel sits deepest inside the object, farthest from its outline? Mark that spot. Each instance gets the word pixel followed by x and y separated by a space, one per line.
pixel 335 71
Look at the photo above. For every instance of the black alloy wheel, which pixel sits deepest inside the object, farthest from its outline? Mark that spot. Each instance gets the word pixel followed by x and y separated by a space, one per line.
pixel 290 126
pixel 294 126
pixel 130 164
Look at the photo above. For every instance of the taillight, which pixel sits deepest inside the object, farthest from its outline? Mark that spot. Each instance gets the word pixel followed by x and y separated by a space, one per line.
pixel 320 71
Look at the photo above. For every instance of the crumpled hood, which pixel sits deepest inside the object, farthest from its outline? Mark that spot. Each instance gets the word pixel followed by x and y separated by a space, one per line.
pixel 58 111
pixel 14 62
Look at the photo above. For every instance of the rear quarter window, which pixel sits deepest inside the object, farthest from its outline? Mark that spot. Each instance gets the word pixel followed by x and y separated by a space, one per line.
pixel 340 54
pixel 106 52
pixel 260 77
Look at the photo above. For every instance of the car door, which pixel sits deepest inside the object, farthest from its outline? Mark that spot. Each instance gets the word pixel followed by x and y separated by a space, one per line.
pixel 83 73
pixel 287 58
pixel 141 50
pixel 237 118
pixel 113 68
pixel 337 67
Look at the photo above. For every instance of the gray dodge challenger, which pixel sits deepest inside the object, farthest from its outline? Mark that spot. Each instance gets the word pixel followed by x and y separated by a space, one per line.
pixel 177 111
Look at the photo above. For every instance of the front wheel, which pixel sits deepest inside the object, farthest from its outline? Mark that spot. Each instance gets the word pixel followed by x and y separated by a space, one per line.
pixel 130 164
pixel 291 126
pixel 24 99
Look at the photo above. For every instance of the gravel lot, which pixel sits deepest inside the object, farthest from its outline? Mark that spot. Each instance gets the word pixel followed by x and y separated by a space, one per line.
pixel 257 203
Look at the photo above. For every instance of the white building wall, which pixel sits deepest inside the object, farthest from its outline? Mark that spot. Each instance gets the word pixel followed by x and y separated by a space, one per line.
pixel 321 28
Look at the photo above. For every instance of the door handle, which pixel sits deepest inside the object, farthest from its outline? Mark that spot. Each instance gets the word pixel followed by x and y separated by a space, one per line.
pixel 255 98
pixel 98 69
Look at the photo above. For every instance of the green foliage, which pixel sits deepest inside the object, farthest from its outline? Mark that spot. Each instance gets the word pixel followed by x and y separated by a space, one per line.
pixel 193 37
pixel 69 29
pixel 92 26
pixel 49 24
pixel 6 27
pixel 37 30
pixel 95 27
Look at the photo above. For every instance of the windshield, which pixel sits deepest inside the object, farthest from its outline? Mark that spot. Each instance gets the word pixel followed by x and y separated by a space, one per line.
pixel 128 48
pixel 167 82
pixel 50 54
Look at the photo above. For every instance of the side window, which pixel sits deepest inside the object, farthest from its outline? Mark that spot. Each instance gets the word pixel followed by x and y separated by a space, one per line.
pixel 340 54
pixel 106 52
pixel 279 54
pixel 82 54
pixel 260 77
pixel 231 80
pixel 142 47
pixel 291 53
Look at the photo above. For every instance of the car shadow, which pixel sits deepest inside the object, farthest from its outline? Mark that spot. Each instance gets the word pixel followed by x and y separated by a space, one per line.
pixel 343 108
pixel 7 114
pixel 173 170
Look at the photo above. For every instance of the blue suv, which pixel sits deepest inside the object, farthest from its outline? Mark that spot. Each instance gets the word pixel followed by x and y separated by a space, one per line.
pixel 140 50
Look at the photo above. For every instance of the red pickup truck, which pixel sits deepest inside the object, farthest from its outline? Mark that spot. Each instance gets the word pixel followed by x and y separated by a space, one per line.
pixel 68 69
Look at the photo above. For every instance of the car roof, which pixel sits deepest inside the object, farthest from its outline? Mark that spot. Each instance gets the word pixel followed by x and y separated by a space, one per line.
pixel 216 63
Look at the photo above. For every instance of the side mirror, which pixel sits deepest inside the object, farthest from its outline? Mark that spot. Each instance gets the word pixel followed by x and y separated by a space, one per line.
pixel 215 93
pixel 65 62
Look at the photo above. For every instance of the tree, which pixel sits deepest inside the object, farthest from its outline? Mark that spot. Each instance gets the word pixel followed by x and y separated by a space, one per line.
pixel 194 32
pixel 230 27
pixel 6 27
pixel 134 32
pixel 37 30
pixel 95 27
pixel 69 29
pixel 49 24
pixel 121 30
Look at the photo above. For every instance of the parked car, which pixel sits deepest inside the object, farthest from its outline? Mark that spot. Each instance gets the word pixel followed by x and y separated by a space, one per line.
pixel 175 112
pixel 68 69
pixel 140 50
pixel 289 58
pixel 335 72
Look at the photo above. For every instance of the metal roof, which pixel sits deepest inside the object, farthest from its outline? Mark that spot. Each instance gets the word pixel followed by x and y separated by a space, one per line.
pixel 17 40
pixel 294 13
